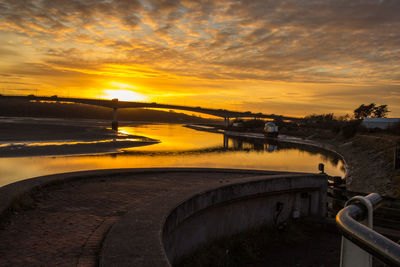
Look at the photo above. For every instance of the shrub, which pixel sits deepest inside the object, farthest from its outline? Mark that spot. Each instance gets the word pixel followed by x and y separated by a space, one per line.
pixel 351 128
pixel 395 128
pixel 336 129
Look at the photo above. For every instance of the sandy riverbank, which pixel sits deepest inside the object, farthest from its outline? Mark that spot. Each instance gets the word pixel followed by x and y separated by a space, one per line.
pixel 34 137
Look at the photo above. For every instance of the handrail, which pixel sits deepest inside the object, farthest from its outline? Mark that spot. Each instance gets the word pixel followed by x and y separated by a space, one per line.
pixel 364 237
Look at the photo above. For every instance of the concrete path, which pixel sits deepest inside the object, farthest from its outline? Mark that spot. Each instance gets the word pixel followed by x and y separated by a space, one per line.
pixel 65 224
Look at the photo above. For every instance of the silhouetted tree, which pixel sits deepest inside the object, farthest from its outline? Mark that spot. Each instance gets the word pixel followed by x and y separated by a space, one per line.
pixel 345 117
pixel 278 121
pixel 318 118
pixel 380 111
pixel 350 128
pixel 364 111
pixel 371 110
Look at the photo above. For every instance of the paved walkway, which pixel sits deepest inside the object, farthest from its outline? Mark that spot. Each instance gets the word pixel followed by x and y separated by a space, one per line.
pixel 67 223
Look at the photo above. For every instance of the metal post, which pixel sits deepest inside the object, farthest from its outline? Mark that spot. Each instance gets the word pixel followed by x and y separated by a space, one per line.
pixel 361 235
pixel 226 141
pixel 226 122
pixel 351 254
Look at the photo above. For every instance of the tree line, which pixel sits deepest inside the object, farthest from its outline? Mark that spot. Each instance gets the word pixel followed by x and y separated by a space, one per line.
pixel 346 125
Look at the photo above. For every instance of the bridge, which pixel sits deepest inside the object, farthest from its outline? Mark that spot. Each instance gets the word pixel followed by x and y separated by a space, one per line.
pixel 116 104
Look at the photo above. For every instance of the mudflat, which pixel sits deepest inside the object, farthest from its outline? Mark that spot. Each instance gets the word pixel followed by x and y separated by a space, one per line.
pixel 35 136
pixel 25 131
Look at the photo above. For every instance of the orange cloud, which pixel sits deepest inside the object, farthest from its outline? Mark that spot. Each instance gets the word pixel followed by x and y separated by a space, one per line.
pixel 239 53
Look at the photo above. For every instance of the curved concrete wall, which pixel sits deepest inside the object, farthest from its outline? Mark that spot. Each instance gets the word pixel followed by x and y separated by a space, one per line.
pixel 12 192
pixel 218 212
pixel 234 208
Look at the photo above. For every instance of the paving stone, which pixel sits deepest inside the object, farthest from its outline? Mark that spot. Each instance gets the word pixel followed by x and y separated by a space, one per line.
pixel 69 221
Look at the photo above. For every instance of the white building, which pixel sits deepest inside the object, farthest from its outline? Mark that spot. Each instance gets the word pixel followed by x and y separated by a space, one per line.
pixel 382 123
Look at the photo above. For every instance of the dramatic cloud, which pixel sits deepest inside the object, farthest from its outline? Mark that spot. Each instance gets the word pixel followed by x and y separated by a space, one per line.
pixel 256 49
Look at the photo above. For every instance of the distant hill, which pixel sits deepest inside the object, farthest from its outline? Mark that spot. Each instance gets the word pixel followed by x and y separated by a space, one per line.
pixel 69 110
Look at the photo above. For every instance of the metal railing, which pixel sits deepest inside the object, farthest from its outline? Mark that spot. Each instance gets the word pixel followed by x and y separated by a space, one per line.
pixel 355 223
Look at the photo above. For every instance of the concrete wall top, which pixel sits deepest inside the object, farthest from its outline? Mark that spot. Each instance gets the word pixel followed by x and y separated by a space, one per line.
pixel 11 192
pixel 137 236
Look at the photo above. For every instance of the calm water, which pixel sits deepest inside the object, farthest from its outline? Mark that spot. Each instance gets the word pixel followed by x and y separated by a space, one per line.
pixel 179 147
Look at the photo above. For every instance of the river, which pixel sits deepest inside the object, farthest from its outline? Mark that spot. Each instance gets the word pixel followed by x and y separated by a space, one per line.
pixel 179 146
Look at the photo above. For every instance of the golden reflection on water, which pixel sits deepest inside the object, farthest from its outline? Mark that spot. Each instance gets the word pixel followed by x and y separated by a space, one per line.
pixel 179 147
pixel 173 137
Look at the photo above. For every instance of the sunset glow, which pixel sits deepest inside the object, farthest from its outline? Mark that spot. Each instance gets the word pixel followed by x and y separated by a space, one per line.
pixel 283 57
pixel 123 95
pixel 123 91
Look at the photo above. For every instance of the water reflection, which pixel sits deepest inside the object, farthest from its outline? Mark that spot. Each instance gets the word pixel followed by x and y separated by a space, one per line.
pixel 181 147
pixel 240 143
pixel 275 146
pixel 172 137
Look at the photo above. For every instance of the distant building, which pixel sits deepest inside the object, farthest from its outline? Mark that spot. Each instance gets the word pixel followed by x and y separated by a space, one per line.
pixel 382 123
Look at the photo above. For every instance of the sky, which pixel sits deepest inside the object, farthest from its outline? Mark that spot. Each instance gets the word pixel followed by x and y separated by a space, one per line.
pixel 287 57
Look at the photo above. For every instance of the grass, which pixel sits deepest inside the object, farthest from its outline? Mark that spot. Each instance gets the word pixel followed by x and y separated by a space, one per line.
pixel 238 250
pixel 370 154
pixel 266 246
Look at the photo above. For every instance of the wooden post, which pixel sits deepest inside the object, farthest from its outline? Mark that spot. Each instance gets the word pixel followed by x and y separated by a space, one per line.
pixel 114 124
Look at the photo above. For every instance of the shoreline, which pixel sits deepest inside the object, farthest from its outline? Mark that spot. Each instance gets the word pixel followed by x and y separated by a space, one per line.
pixel 73 150
pixel 80 137
pixel 367 167
pixel 93 137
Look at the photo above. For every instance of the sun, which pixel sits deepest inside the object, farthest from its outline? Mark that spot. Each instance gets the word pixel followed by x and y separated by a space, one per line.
pixel 123 93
